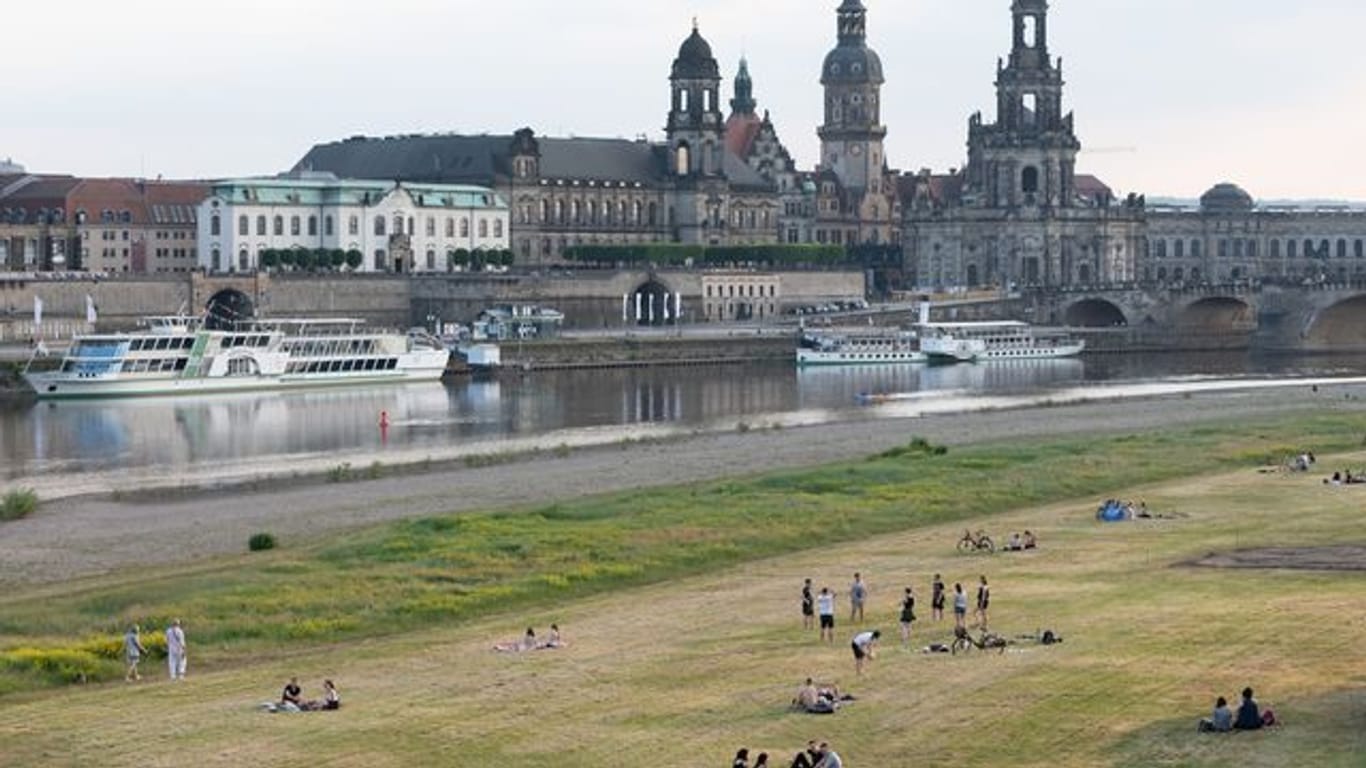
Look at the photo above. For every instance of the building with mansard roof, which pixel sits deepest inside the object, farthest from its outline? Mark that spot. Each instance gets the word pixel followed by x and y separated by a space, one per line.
pixel 563 192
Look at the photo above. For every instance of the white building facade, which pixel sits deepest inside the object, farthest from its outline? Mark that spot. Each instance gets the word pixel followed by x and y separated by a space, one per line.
pixel 394 226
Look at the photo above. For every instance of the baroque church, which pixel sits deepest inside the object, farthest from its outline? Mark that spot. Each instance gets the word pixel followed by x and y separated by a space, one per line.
pixel 1018 213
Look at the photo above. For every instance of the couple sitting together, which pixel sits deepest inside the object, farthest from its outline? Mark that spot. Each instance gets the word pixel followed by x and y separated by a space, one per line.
pixel 818 699
pixel 1018 543
pixel 530 643
pixel 292 700
pixel 1250 717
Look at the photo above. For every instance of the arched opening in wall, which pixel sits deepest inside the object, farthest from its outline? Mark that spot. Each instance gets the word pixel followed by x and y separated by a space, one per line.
pixel 1029 180
pixel 1219 314
pixel 226 308
pixel 683 100
pixel 1341 326
pixel 1029 106
pixel 1095 313
pixel 216 261
pixel 973 276
pixel 1030 31
pixel 683 159
pixel 653 304
pixel 1084 274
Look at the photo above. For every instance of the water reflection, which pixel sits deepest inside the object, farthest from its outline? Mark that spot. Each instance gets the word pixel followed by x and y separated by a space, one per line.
pixel 176 432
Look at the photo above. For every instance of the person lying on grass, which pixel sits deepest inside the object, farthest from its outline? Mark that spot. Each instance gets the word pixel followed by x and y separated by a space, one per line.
pixel 526 643
pixel 816 699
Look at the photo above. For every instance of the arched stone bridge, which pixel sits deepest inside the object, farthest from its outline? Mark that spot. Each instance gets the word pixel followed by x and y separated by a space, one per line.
pixel 1320 317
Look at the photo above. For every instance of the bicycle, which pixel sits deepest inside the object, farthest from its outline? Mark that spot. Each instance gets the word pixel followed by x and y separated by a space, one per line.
pixel 979 542
pixel 964 641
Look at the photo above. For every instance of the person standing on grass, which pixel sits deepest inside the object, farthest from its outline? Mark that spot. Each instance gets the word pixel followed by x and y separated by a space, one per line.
pixel 960 606
pixel 825 606
pixel 907 617
pixel 132 653
pixel 937 599
pixel 863 646
pixel 175 650
pixel 808 606
pixel 858 592
pixel 983 602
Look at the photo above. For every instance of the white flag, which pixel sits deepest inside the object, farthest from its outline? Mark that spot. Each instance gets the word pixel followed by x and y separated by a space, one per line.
pixel 37 311
pixel 89 309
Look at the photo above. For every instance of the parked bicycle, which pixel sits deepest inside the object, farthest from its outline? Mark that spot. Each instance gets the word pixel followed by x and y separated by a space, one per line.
pixel 976 542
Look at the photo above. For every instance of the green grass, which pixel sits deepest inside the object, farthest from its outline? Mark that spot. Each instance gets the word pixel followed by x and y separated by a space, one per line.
pixel 704 664
pixel 447 570
pixel 18 503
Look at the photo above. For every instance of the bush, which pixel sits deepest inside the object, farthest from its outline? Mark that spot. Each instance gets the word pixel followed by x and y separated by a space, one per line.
pixel 260 542
pixel 18 503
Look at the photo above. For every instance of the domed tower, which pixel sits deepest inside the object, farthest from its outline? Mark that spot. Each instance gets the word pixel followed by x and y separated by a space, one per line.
pixel 852 134
pixel 1028 157
pixel 695 122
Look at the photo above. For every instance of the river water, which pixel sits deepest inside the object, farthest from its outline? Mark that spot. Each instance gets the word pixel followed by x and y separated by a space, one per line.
pixel 185 433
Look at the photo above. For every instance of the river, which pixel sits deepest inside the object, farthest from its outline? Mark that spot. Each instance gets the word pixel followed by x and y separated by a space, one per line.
pixel 183 433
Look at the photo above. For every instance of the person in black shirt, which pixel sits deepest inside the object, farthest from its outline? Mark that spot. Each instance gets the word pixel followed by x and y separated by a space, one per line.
pixel 983 601
pixel 292 693
pixel 907 617
pixel 808 606
pixel 741 759
pixel 937 599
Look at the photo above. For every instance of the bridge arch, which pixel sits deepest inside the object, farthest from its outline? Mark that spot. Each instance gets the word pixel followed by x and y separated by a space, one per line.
pixel 1220 314
pixel 1341 326
pixel 654 304
pixel 1095 313
pixel 226 308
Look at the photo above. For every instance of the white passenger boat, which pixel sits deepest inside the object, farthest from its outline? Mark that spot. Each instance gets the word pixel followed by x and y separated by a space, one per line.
pixel 953 342
pixel 862 346
pixel 179 355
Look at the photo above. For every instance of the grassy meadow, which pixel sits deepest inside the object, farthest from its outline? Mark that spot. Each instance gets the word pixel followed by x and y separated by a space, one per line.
pixel 681 608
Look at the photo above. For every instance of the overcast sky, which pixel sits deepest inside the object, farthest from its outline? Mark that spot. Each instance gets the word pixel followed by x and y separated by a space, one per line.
pixel 1170 95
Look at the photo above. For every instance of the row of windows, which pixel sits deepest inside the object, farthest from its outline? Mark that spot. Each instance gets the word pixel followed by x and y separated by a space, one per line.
pixel 330 348
pixel 745 290
pixel 590 213
pixel 381 226
pixel 251 340
pixel 175 253
pixel 167 342
pixel 165 365
pixel 1238 248
pixel 343 366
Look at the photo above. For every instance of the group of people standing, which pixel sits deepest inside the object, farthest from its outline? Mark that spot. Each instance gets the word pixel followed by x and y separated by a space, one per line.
pixel 134 650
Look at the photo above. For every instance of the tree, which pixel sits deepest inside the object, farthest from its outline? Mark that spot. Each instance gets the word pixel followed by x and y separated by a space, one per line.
pixel 354 259
pixel 506 258
pixel 337 258
pixel 303 259
pixel 461 258
pixel 478 259
pixel 285 257
pixel 269 258
pixel 322 259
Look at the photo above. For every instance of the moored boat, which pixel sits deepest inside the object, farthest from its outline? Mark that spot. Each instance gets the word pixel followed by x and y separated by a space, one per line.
pixel 175 355
pixel 1009 340
pixel 870 346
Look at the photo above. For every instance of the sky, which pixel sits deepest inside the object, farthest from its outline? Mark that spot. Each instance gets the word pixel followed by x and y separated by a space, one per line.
pixel 1170 96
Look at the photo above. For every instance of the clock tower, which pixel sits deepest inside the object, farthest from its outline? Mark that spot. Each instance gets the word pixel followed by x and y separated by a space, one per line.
pixel 852 134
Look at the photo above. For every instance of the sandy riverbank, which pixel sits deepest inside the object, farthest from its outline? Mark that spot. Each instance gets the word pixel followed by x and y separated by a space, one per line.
pixel 89 532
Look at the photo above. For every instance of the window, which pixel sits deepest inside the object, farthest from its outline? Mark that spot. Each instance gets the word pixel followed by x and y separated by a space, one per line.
pixel 431 226
pixel 279 225
pixel 1029 104
pixel 398 224
pixel 464 227
pixel 497 227
pixel 1358 252
pixel 683 162
pixel 379 257
pixel 483 228
pixel 1161 249
pixel 431 259
pixel 312 226
pixel 243 225
pixel 1195 252
pixel 653 214
pixel 294 226
pixel 353 226
pixel 1179 249
pixel 381 229
pixel 260 226
pixel 1290 249
pixel 1275 249
pixel 545 210
pixel 215 225
pixel 1223 248
pixel 1342 248
pixel 450 227
pixel 327 225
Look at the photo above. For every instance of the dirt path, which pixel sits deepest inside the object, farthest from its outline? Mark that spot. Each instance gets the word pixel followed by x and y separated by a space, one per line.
pixel 89 535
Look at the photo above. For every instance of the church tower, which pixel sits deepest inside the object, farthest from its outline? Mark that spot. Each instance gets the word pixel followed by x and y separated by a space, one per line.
pixel 852 134
pixel 695 122
pixel 1028 158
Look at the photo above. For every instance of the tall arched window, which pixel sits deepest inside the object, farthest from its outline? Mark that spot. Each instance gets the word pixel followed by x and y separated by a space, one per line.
pixel 294 226
pixel 464 227
pixel 215 225
pixel 381 227
pixel 483 228
pixel 312 226
pixel 353 226
pixel 450 227
pixel 684 161
pixel 243 225
pixel 545 211
pixel 635 213
pixel 1029 180
pixel 1342 248
pixel 398 224
pixel 328 229
pixel 653 215
pixel 279 225
pixel 1290 246
pixel 260 226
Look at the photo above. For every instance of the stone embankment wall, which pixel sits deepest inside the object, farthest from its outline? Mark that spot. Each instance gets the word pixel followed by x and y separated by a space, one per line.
pixel 641 351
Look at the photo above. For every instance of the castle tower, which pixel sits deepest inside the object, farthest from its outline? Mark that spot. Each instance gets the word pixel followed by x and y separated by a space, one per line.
pixel 852 134
pixel 1028 158
pixel 695 122
pixel 743 103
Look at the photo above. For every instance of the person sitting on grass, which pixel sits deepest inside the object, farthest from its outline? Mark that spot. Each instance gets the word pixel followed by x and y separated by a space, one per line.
pixel 291 697
pixel 807 758
pixel 554 639
pixel 1221 721
pixel 1030 542
pixel 1250 716
pixel 1015 543
pixel 817 699
pixel 741 758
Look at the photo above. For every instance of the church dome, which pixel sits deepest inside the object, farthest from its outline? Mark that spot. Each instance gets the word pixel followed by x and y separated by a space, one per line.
pixel 1226 198
pixel 852 65
pixel 695 60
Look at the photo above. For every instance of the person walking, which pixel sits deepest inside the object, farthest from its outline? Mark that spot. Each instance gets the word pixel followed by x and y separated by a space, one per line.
pixel 858 592
pixel 907 617
pixel 808 606
pixel 863 646
pixel 132 653
pixel 825 606
pixel 983 602
pixel 175 650
pixel 960 606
